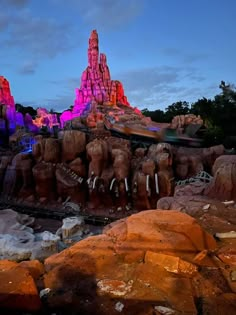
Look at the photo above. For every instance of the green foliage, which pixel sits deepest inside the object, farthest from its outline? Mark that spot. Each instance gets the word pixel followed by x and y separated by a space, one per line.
pixel 205 108
pixel 156 115
pixel 218 114
pixel 214 135
pixel 26 109
pixel 178 108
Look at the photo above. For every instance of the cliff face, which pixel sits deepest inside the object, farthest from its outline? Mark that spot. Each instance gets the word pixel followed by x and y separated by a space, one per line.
pixel 7 107
pixel 96 84
pixel 5 93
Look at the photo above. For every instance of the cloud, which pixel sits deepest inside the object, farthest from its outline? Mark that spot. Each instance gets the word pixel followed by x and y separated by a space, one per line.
pixel 14 3
pixel 3 21
pixel 104 14
pixel 60 102
pixel 24 29
pixel 28 67
pixel 194 57
pixel 185 57
pixel 109 13
pixel 154 87
pixel 38 36
pixel 159 87
pixel 148 78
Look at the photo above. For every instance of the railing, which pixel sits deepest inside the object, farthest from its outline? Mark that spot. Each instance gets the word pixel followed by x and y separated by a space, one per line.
pixel 200 177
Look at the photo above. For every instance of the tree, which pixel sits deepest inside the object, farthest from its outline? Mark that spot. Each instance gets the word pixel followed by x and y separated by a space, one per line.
pixel 26 109
pixel 205 108
pixel 156 115
pixel 178 108
pixel 219 115
pixel 225 109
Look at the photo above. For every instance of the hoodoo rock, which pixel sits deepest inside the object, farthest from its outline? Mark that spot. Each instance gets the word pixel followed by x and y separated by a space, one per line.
pixel 7 107
pixel 5 93
pixel 96 84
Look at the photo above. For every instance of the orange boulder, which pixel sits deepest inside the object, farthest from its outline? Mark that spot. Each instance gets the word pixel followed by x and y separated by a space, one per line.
pixel 18 290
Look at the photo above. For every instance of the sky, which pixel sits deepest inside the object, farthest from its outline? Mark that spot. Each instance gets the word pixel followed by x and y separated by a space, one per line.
pixel 163 51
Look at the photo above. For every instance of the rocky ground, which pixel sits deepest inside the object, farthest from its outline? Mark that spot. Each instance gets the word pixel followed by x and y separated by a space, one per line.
pixel 153 262
pixel 177 260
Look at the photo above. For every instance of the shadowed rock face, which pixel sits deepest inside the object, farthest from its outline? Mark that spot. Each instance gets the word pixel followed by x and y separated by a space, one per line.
pixel 18 290
pixel 68 184
pixel 223 185
pixel 45 181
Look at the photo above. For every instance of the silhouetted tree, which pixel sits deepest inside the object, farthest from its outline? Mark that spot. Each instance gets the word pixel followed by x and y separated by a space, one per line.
pixel 156 115
pixel 205 108
pixel 178 108
pixel 26 109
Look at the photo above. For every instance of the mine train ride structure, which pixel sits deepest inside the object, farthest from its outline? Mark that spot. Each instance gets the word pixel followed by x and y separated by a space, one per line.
pixel 147 136
pixel 138 136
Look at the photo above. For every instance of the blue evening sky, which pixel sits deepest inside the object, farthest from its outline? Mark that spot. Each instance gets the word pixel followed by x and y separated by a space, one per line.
pixel 163 51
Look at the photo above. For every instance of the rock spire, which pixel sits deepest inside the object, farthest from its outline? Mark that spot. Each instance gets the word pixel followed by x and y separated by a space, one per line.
pixel 5 93
pixel 96 84
pixel 7 107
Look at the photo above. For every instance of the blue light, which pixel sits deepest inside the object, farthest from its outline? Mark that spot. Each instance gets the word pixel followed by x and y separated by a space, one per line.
pixel 26 143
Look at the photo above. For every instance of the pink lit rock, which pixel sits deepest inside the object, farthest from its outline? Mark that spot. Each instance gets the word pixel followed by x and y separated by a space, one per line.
pixel 29 123
pixel 44 118
pixel 20 120
pixel 96 83
pixel 7 105
pixel 5 93
pixel 65 116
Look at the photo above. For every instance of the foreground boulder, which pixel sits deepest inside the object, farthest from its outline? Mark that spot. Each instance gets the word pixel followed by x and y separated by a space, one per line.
pixel 129 261
pixel 214 216
pixel 18 290
pixel 223 186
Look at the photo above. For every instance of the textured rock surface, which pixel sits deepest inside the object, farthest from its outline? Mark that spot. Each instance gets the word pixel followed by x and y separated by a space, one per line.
pixel 7 106
pixel 182 121
pixel 73 143
pixel 89 265
pixel 5 93
pixel 18 241
pixel 96 83
pixel 211 214
pixel 149 263
pixel 45 180
pixel 223 185
pixel 18 290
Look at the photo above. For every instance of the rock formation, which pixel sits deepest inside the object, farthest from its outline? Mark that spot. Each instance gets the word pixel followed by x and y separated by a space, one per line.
pixel 96 84
pixel 7 108
pixel 223 185
pixel 181 121
pixel 5 93
pixel 153 254
pixel 153 262
pixel 44 118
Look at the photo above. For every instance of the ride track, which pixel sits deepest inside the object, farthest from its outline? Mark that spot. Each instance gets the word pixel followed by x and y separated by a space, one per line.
pixel 55 213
